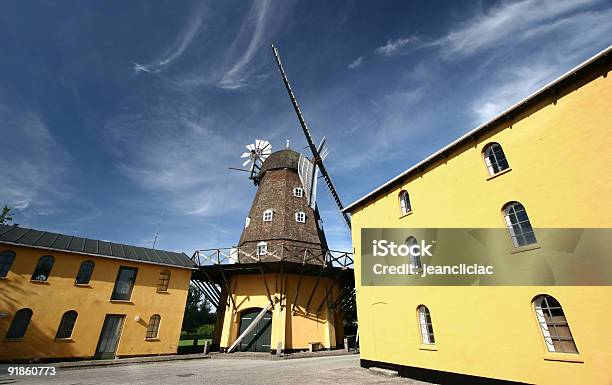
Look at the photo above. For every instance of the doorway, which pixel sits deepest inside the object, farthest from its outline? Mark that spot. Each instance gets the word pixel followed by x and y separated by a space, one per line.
pixel 109 336
pixel 258 340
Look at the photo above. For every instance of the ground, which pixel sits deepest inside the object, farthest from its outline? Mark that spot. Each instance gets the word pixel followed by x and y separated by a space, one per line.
pixel 321 370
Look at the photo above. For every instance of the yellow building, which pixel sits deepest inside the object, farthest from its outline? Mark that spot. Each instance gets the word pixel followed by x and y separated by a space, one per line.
pixel 70 297
pixel 543 163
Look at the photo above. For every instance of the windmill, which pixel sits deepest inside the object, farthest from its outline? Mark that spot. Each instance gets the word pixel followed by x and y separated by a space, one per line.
pixel 318 154
pixel 257 154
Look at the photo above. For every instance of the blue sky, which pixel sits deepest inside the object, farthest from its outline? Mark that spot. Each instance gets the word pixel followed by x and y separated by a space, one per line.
pixel 119 119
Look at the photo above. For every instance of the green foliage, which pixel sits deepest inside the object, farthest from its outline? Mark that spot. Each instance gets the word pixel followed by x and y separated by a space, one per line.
pixel 206 330
pixel 6 215
pixel 197 312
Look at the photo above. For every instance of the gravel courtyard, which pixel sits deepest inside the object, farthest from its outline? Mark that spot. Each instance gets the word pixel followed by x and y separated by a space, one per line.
pixel 321 370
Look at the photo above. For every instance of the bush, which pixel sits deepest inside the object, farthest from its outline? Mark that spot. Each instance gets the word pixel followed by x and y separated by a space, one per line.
pixel 206 331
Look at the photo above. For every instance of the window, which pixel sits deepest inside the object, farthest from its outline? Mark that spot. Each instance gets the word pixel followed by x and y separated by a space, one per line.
pixel 85 272
pixel 300 217
pixel 298 192
pixel 247 222
pixel 494 157
pixel 416 259
pixel 267 216
pixel 43 268
pixel 262 248
pixel 518 224
pixel 66 325
pixel 164 281
pixel 6 261
pixel 425 325
pixel 153 328
pixel 124 284
pixel 555 329
pixel 404 200
pixel 19 325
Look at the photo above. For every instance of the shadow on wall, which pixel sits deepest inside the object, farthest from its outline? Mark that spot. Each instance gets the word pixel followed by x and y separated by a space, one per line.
pixel 37 341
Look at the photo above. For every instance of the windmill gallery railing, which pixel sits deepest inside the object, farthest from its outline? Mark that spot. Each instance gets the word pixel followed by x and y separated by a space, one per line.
pixel 274 253
pixel 213 263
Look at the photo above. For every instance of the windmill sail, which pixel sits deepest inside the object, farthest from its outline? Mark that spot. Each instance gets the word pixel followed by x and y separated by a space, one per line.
pixel 315 152
pixel 308 173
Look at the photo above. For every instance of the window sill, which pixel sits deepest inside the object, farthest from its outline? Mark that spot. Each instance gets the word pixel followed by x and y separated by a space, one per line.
pixel 430 347
pixel 499 174
pixel 152 339
pixel 405 215
pixel 121 301
pixel 563 357
pixel 522 249
pixel 82 285
pixel 63 339
pixel 163 292
pixel 40 282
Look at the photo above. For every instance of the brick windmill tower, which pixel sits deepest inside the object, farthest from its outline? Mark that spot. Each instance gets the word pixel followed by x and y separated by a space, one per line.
pixel 280 287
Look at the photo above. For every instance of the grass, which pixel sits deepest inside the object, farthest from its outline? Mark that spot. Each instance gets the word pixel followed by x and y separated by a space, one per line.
pixel 190 342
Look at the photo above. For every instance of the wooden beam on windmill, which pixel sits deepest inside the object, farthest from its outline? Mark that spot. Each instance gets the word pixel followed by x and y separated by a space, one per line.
pixel 317 159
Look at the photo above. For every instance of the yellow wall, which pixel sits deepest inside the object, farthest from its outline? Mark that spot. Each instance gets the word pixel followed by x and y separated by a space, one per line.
pixel 50 300
pixel 294 330
pixel 561 159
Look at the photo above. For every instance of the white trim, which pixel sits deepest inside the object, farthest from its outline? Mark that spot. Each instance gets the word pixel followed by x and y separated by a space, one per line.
pixel 265 213
pixel 298 192
pixel 482 126
pixel 300 217
pixel 262 246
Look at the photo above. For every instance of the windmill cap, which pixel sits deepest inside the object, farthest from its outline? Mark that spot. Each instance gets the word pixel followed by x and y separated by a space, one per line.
pixel 283 159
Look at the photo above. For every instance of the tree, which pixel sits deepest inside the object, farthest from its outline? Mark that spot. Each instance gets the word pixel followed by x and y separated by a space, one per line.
pixel 6 215
pixel 197 311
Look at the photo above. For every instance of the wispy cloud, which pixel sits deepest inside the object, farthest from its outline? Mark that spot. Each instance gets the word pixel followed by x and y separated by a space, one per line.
pixel 356 63
pixel 252 30
pixel 509 23
pixel 177 49
pixel 34 179
pixel 395 46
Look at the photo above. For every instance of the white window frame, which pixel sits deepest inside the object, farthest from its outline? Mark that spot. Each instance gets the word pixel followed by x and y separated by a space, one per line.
pixel 416 259
pixel 268 215
pixel 298 192
pixel 495 160
pixel 247 222
pixel 262 248
pixel 404 200
pixel 422 312
pixel 300 215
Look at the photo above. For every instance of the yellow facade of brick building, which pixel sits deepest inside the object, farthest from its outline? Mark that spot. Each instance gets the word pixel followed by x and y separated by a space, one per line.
pixel 558 145
pixel 49 299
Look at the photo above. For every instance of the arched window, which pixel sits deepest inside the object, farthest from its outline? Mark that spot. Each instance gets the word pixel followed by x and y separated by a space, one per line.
pixel 554 326
pixel 85 272
pixel 298 192
pixel 164 280
pixel 66 325
pixel 19 325
pixel 404 200
pixel 416 259
pixel 262 248
pixel 300 217
pixel 267 216
pixel 494 158
pixel 518 225
pixel 425 325
pixel 6 261
pixel 43 268
pixel 153 328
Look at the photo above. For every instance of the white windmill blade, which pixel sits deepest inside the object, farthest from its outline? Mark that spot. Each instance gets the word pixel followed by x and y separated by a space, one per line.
pixel 258 143
pixel 245 155
pixel 246 162
pixel 250 147
pixel 267 151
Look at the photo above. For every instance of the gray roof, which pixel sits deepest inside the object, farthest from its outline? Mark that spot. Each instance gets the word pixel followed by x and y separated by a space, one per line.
pixel 279 160
pixel 53 241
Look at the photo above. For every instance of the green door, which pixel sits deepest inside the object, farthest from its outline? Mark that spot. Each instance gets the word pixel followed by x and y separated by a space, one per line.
pixel 258 339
